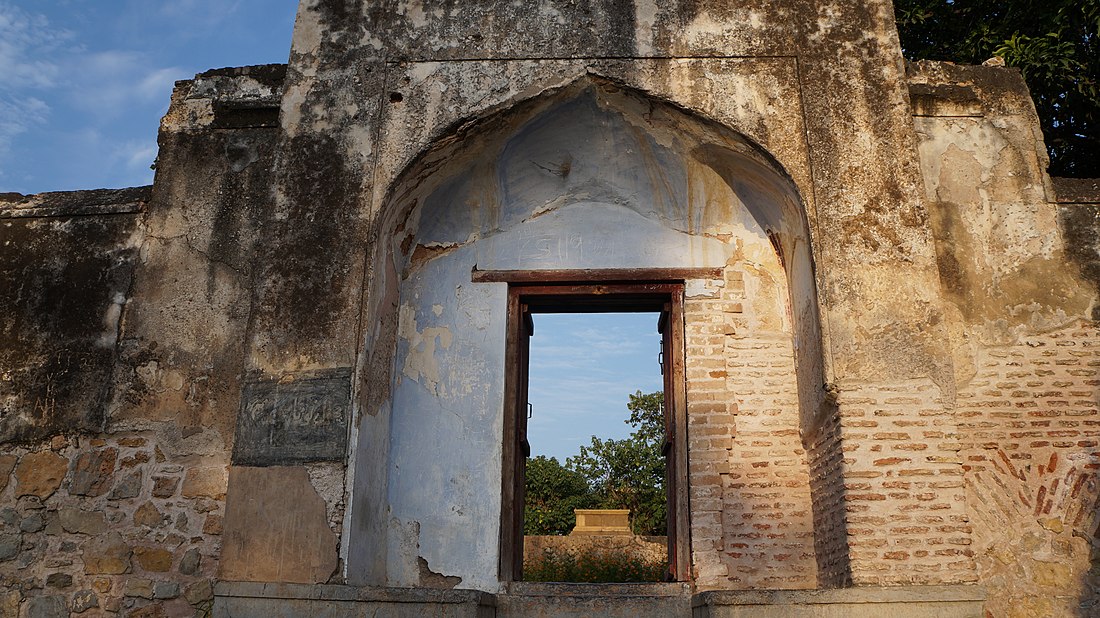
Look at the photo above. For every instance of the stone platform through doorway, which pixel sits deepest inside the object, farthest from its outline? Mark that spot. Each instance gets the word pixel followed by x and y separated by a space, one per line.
pixel 549 600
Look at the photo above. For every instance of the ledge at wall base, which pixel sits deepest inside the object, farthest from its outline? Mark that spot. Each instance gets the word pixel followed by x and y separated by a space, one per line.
pixel 276 600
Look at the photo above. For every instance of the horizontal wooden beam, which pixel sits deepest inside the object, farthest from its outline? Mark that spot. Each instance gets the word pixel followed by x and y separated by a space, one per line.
pixel 595 275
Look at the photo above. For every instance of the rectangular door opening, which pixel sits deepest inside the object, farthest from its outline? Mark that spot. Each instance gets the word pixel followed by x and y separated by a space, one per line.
pixel 659 414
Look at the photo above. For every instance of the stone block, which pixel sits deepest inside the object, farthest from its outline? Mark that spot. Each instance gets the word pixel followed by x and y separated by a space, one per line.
pixel 857 602
pixel 149 611
pixel 276 528
pixel 138 587
pixel 166 590
pixel 154 559
pixel 212 525
pixel 205 482
pixel 106 554
pixel 34 522
pixel 52 606
pixel 93 472
pixel 9 603
pixel 191 561
pixel 602 521
pixel 199 592
pixel 83 600
pixel 59 580
pixel 76 521
pixel 165 486
pixel 7 464
pixel 9 546
pixel 128 487
pixel 148 515
pixel 249 600
pixel 40 474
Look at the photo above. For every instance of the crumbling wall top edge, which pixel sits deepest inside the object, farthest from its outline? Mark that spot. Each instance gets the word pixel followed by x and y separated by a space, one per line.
pixel 75 203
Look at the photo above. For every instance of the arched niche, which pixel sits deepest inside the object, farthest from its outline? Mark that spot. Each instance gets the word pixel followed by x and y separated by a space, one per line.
pixel 590 176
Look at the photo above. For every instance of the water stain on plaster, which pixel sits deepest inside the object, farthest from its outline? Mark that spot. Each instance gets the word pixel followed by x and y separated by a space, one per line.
pixel 1038 292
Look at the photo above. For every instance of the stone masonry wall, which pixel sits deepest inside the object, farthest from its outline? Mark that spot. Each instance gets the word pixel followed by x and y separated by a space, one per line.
pixel 107 526
pixel 1017 261
pixel 123 315
pixel 752 520
pixel 1032 427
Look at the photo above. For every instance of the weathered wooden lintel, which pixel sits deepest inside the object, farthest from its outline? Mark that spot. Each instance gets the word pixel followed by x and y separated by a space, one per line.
pixel 595 275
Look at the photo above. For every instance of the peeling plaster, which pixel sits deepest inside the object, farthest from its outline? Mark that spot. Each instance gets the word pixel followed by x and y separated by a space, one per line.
pixel 591 179
pixel 421 364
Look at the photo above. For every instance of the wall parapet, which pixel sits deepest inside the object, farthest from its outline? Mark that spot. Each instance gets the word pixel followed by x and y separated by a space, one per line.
pixel 130 200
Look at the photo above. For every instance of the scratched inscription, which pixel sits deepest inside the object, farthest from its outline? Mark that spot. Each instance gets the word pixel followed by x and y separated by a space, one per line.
pixel 299 421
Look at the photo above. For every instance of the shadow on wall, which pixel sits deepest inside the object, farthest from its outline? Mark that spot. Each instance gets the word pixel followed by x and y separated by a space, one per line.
pixel 826 459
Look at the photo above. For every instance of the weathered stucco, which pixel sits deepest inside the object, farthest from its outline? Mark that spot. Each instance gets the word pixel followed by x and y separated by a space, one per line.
pixel 897 363
pixel 592 177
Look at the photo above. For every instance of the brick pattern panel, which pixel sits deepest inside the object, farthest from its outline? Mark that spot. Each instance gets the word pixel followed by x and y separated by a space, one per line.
pixel 903 480
pixel 1030 422
pixel 752 520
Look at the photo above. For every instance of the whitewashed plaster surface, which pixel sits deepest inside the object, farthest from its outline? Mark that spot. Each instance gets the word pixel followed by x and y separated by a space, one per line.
pixel 581 184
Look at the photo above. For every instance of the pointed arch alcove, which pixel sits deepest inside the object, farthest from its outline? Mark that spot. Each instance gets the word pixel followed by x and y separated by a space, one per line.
pixel 590 176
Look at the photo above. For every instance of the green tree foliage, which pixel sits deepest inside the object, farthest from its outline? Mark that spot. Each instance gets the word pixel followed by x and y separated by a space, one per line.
pixel 606 474
pixel 1054 43
pixel 630 473
pixel 552 492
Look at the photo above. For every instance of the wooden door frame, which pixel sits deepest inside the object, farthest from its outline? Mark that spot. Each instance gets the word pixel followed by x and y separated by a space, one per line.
pixel 579 294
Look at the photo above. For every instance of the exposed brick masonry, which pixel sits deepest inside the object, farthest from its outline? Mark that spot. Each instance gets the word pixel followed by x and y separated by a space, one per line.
pixel 752 522
pixel 1031 428
pixel 907 518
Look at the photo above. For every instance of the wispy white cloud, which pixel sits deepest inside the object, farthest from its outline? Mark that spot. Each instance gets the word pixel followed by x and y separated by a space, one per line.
pixel 18 115
pixel 106 84
pixel 51 81
pixel 583 369
pixel 27 42
pixel 138 156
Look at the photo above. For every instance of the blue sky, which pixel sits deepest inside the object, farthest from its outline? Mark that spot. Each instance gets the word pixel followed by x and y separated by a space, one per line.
pixel 83 83
pixel 583 369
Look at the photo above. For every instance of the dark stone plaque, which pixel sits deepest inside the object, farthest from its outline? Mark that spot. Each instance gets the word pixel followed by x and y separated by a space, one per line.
pixel 298 421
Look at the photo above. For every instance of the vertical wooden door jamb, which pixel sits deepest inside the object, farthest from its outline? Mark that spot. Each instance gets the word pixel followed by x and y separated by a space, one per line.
pixel 677 391
pixel 508 549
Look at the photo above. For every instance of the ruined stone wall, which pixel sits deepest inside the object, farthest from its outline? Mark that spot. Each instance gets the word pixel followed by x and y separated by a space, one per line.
pixel 818 85
pixel 898 365
pixel 107 522
pixel 122 360
pixel 592 177
pixel 1017 268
